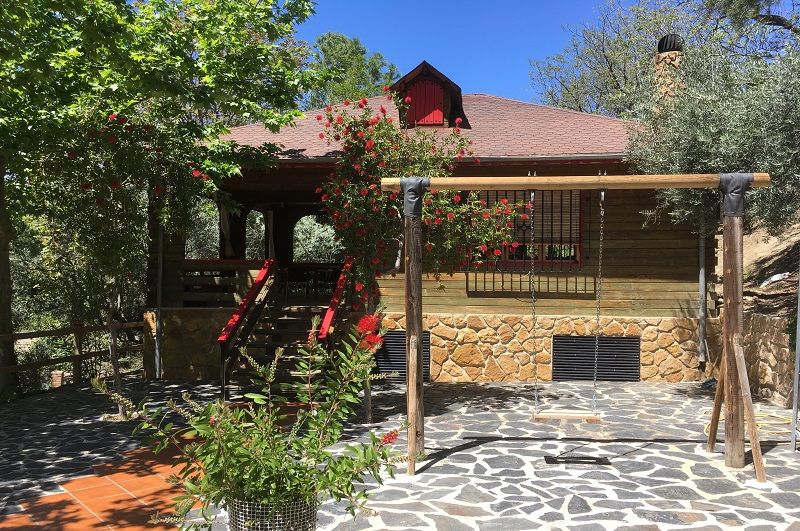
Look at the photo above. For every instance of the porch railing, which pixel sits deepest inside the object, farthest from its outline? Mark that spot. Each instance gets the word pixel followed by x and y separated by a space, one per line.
pixel 217 283
pixel 337 300
pixel 247 314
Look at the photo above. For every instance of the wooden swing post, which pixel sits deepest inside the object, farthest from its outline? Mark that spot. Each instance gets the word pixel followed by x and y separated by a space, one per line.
pixel 733 187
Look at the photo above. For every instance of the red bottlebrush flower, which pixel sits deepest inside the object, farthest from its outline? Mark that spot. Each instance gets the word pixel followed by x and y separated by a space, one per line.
pixel 451 216
pixel 504 201
pixel 381 164
pixel 438 221
pixel 318 190
pixel 456 198
pixel 116 185
pixel 498 252
pixel 458 121
pixel 407 100
pixel 122 120
pixel 205 177
pixel 386 88
pixel 324 197
pixel 486 215
pixel 377 274
pixel 339 119
pixel 359 287
pixel 362 101
pixel 158 190
pixel 360 134
pixel 514 245
pixel 112 116
pixel 197 173
pixel 368 324
pixel 374 120
pixel 211 421
pixel 389 97
pixel 363 192
pixel 346 102
pixel 319 117
pixel 507 211
pixel 328 108
pixel 322 136
pixel 375 260
pixel 524 216
pixel 483 248
pixel 111 139
pixel 389 119
pixel 383 109
pixel 369 144
pixel 357 166
pixel 389 438
pixel 372 341
pixel 429 246
pixel 327 125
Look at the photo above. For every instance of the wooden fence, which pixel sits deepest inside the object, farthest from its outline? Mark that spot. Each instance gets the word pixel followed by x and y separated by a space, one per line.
pixel 78 333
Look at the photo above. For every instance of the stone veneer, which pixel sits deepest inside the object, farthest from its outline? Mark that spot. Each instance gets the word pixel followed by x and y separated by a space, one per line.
pixel 508 348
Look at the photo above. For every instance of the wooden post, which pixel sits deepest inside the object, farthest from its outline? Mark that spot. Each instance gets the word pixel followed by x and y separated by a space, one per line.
pixel 77 349
pixel 733 188
pixel 413 188
pixel 718 399
pixel 749 411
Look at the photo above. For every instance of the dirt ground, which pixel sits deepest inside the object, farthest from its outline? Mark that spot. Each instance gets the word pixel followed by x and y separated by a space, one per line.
pixel 764 257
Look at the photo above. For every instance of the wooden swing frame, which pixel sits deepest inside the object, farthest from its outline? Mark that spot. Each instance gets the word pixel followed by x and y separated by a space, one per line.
pixel 733 389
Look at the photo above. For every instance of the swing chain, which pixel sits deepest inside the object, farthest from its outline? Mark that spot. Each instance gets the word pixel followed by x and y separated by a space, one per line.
pixel 597 298
pixel 532 283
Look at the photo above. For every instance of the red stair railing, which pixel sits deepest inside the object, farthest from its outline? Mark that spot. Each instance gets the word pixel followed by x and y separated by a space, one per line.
pixel 337 299
pixel 243 320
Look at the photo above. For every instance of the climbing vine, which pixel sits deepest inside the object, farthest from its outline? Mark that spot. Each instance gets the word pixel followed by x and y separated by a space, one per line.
pixel 459 228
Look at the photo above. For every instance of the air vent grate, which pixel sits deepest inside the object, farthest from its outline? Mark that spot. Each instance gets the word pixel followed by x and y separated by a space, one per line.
pixel 391 357
pixel 618 358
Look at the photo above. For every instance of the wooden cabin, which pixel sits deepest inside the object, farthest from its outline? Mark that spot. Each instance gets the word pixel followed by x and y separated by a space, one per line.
pixel 482 322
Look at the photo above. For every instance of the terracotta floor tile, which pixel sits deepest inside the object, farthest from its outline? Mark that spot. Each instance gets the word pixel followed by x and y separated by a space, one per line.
pixel 100 491
pixel 19 521
pixel 123 509
pixel 84 483
pixel 143 483
pixel 63 512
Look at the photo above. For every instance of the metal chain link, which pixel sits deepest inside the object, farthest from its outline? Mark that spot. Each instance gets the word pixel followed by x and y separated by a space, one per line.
pixel 598 294
pixel 531 282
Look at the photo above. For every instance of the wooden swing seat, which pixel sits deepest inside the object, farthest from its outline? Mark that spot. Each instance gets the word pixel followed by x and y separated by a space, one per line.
pixel 567 414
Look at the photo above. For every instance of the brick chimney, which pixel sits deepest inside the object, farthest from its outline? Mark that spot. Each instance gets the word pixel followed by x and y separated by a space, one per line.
pixel 667 61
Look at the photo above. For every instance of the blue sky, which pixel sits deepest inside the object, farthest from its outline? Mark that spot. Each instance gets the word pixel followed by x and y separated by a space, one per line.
pixel 483 46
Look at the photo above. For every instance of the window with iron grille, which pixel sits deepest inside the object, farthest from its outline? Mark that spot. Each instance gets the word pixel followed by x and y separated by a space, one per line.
pixel 550 244
pixel 556 226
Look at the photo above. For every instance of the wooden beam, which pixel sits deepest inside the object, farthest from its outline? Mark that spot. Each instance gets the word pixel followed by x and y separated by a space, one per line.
pixel 749 411
pixel 578 182
pixel 732 325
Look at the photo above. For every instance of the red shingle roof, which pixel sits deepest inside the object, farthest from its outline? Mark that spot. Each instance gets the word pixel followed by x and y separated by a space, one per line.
pixel 499 128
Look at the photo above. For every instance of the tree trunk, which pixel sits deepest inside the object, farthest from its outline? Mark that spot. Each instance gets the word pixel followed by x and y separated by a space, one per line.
pixel 9 388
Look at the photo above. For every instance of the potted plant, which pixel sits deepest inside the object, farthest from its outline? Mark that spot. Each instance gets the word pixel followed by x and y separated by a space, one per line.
pixel 269 462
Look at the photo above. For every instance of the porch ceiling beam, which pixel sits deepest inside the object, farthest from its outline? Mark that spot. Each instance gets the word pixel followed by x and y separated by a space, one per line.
pixel 578 182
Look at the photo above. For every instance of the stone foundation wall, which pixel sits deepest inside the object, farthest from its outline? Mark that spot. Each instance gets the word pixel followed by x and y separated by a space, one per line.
pixel 189 350
pixel 508 348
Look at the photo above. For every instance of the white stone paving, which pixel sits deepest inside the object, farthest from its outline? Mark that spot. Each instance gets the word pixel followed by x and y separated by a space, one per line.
pixel 644 467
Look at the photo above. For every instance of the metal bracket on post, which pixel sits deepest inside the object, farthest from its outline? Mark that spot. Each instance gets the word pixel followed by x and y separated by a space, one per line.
pixel 413 189
pixel 733 187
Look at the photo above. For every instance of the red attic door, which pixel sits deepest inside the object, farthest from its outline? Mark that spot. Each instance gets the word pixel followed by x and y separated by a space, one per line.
pixel 427 103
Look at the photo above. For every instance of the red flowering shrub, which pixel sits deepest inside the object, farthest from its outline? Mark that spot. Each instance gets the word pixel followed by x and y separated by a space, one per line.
pixel 458 228
pixel 368 324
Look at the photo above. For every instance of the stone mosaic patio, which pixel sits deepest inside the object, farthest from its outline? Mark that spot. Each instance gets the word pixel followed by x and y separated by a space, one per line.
pixel 489 467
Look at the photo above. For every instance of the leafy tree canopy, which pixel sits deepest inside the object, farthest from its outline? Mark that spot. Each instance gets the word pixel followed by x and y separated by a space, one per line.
pixel 354 72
